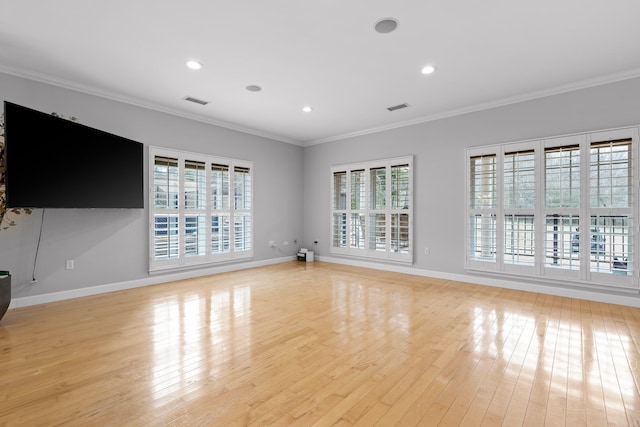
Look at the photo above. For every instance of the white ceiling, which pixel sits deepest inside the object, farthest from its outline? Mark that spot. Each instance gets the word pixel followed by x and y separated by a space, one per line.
pixel 320 53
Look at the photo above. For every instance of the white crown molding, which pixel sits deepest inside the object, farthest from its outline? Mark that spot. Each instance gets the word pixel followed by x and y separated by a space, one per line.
pixel 583 84
pixel 42 78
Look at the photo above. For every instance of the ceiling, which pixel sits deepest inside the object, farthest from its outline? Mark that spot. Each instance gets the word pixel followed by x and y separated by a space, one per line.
pixel 325 54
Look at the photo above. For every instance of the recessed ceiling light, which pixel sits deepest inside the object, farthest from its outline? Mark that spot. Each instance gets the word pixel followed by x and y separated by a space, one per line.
pixel 194 65
pixel 428 69
pixel 254 88
pixel 307 109
pixel 386 25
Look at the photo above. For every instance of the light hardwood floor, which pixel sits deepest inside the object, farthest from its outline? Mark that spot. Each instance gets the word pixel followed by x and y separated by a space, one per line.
pixel 320 344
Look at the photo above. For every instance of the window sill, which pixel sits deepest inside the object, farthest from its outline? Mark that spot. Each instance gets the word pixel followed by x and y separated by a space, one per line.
pixel 405 260
pixel 162 269
pixel 565 281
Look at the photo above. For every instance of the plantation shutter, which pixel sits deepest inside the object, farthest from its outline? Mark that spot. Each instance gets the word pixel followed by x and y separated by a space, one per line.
pixel 202 209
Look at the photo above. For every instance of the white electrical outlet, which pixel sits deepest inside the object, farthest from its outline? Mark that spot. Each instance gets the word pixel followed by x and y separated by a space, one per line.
pixel 427 251
pixel 285 243
pixel 272 243
pixel 69 264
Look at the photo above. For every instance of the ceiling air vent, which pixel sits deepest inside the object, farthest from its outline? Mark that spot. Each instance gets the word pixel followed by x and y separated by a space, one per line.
pixel 398 107
pixel 196 100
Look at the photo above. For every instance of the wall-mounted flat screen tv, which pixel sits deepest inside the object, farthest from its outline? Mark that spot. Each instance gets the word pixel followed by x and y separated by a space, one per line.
pixel 52 162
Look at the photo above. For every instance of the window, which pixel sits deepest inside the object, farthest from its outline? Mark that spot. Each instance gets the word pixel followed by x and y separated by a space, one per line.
pixel 519 207
pixel 556 208
pixel 358 199
pixel 219 191
pixel 562 205
pixel 194 218
pixel 377 209
pixel 482 207
pixel 165 203
pixel 371 209
pixel 611 207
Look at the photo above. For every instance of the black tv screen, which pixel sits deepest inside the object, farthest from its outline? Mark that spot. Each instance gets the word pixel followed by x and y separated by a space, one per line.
pixel 52 162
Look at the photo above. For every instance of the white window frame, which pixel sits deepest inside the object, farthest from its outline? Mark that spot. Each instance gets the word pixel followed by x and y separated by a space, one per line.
pixel 183 261
pixel 389 254
pixel 583 275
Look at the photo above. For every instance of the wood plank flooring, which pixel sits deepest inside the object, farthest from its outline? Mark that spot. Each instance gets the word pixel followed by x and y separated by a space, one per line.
pixel 320 344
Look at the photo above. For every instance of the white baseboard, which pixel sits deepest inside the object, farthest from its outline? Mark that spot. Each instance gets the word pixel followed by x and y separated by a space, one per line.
pixel 621 298
pixel 632 300
pixel 147 281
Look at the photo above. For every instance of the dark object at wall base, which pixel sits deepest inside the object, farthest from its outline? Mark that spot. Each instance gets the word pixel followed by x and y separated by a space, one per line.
pixel 5 292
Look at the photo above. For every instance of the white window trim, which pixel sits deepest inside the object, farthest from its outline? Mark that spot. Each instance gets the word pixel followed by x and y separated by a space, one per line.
pixel 208 258
pixel 584 276
pixel 365 252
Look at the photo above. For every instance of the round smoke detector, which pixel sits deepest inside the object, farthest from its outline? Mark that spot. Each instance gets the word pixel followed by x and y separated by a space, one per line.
pixel 386 25
pixel 254 88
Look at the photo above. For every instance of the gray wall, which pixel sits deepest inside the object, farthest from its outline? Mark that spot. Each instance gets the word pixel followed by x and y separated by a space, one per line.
pixel 291 183
pixel 111 245
pixel 439 147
